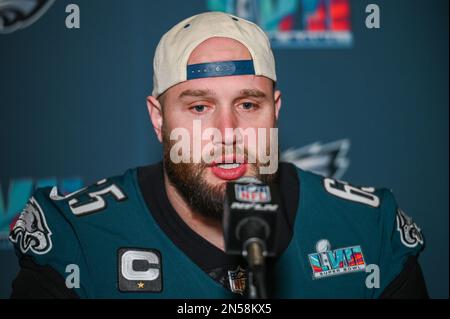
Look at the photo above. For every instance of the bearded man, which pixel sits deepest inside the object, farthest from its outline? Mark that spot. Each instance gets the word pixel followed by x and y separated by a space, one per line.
pixel 157 231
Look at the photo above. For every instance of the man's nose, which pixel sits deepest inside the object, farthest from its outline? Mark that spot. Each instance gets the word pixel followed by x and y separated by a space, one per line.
pixel 226 122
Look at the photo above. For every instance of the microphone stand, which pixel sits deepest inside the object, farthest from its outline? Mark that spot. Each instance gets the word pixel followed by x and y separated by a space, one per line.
pixel 254 253
pixel 253 232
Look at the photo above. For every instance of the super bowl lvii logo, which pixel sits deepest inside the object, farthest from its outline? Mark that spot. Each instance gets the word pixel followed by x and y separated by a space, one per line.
pixel 295 23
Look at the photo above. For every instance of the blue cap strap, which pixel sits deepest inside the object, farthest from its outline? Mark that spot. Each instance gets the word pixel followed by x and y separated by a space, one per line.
pixel 222 68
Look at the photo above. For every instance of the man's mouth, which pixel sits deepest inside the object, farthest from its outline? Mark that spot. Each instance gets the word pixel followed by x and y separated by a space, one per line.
pixel 229 171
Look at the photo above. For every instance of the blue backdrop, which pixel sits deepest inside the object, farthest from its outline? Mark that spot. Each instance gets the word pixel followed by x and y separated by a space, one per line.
pixel 72 105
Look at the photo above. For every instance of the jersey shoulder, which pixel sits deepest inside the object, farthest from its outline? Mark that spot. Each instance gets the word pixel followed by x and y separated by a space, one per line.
pixel 375 203
pixel 369 217
pixel 49 225
pixel 359 205
pixel 103 195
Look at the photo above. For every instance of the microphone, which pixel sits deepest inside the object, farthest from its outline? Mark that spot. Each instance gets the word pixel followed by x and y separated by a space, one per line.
pixel 250 222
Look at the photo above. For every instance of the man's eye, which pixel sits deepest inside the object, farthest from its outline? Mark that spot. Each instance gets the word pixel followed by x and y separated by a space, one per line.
pixel 248 106
pixel 198 108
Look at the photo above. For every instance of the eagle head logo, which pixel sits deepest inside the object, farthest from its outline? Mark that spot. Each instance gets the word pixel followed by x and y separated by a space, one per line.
pixel 30 231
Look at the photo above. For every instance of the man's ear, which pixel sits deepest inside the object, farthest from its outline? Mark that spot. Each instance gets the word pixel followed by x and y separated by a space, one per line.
pixel 277 99
pixel 156 116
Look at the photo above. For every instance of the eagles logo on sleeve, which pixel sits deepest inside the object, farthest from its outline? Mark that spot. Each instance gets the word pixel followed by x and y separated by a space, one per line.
pixel 31 231
pixel 410 233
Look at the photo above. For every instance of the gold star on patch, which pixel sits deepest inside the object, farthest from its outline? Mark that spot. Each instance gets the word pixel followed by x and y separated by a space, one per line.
pixel 140 285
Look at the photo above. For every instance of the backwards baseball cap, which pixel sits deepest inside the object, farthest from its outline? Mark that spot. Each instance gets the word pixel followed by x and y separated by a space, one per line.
pixel 172 53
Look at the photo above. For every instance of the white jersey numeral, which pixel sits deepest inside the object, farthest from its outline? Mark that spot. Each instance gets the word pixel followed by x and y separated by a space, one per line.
pixel 343 190
pixel 96 200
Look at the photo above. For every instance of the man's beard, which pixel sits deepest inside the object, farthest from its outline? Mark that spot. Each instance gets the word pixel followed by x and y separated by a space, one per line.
pixel 190 182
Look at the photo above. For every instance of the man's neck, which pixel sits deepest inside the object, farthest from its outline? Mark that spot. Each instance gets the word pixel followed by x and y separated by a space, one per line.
pixel 208 229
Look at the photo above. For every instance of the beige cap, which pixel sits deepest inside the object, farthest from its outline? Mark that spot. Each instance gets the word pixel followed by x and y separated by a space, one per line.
pixel 173 51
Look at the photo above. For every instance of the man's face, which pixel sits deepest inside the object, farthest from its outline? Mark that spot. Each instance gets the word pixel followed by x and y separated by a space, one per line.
pixel 245 102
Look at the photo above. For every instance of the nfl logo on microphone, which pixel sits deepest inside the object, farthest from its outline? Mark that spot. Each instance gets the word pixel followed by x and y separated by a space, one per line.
pixel 252 193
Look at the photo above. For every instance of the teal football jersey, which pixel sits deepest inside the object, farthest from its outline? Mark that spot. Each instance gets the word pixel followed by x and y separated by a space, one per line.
pixel 347 242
